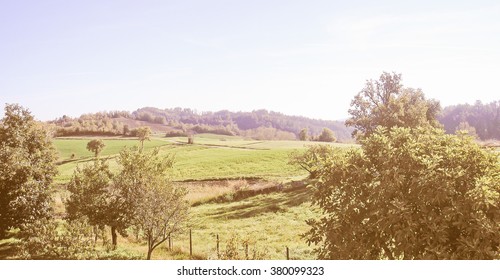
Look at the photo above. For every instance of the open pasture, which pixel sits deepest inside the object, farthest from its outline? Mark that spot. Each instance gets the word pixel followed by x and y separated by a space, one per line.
pixel 212 157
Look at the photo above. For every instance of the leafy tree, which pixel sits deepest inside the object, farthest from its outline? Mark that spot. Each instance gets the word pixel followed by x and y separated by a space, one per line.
pixel 327 136
pixel 303 135
pixel 96 146
pixel 387 103
pixel 27 167
pixel 158 208
pixel 162 212
pixel 409 194
pixel 144 133
pixel 94 195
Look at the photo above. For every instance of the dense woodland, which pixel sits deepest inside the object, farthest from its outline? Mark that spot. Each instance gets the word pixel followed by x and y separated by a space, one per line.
pixel 480 119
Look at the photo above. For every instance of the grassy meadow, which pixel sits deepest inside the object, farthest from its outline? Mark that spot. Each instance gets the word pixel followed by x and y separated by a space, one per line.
pixel 239 189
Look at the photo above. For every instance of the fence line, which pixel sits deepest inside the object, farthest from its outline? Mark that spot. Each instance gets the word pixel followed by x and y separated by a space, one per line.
pixel 245 248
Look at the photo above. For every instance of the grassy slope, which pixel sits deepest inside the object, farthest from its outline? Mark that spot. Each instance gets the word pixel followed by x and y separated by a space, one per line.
pixel 269 221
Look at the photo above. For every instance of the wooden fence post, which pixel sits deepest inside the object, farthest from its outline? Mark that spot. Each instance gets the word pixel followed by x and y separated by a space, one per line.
pixel 287 253
pixel 218 255
pixel 190 244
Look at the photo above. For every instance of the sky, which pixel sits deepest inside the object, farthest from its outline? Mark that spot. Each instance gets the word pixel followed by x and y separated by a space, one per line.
pixel 304 58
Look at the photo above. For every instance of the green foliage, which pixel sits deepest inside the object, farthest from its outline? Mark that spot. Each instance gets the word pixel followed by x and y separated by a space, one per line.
pixel 91 124
pixel 49 239
pixel 95 146
pixel 158 208
pixel 94 195
pixel 387 103
pixel 409 194
pixel 89 192
pixel 327 136
pixel 26 168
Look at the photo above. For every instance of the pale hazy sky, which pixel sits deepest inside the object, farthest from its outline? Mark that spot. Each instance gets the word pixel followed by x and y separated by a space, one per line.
pixel 297 57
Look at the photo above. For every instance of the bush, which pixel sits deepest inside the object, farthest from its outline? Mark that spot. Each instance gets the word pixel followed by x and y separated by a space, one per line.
pixel 57 240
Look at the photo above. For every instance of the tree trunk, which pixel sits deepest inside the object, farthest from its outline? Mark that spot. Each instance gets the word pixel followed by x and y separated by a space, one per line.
pixel 150 251
pixel 113 237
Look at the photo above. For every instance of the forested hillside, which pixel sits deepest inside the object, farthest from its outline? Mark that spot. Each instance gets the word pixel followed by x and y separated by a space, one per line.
pixel 259 124
pixel 480 119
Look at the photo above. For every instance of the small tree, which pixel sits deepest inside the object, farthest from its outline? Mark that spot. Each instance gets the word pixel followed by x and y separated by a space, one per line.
pixel 27 167
pixel 327 135
pixel 96 146
pixel 144 133
pixel 157 208
pixel 162 212
pixel 303 135
pixel 409 194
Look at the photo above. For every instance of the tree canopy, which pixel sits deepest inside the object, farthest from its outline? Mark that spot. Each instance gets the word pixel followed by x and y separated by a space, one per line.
pixel 385 102
pixel 94 195
pixel 27 167
pixel 95 146
pixel 158 207
pixel 409 193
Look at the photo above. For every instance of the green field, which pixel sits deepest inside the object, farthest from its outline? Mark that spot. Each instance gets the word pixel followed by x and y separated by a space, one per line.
pixel 78 146
pixel 211 157
pixel 214 170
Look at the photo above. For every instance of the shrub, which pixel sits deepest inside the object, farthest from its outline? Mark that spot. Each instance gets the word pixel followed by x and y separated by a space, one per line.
pixel 57 240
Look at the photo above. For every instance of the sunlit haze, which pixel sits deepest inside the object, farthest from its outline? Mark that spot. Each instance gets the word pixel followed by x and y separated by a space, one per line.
pixel 304 58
